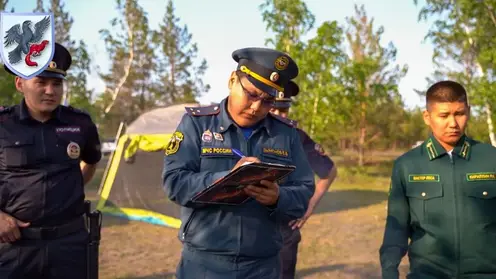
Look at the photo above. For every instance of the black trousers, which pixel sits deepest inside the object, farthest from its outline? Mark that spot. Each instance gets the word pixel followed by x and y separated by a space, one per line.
pixel 60 258
pixel 289 251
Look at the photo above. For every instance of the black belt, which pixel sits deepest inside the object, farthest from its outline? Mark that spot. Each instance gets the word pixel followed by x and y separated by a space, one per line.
pixel 54 232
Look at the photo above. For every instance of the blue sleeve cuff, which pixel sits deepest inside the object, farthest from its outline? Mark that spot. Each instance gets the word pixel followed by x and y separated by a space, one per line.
pixel 218 175
pixel 281 203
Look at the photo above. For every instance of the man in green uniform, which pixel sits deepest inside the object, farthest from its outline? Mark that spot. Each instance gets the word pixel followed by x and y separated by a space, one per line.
pixel 443 198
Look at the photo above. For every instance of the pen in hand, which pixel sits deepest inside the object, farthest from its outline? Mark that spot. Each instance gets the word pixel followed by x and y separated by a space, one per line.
pixel 237 152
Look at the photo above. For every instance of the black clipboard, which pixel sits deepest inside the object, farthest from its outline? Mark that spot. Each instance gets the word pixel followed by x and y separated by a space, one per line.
pixel 228 190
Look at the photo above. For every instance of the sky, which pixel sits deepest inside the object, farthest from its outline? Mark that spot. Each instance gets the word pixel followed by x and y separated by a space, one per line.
pixel 220 26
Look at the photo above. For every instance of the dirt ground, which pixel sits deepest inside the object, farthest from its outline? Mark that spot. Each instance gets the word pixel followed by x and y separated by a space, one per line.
pixel 341 240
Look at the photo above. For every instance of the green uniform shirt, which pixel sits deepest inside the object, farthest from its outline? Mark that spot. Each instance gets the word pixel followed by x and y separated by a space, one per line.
pixel 446 206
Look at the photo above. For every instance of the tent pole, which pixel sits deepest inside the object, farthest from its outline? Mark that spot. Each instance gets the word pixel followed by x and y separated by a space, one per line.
pixel 111 156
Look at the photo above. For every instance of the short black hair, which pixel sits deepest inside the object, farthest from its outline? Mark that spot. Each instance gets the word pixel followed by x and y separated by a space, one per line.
pixel 446 91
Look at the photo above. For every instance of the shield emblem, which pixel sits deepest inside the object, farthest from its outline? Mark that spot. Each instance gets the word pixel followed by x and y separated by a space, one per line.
pixel 27 42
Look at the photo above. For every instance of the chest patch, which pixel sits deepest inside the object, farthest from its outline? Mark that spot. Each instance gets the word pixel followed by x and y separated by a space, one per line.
pixel 273 151
pixel 73 150
pixel 212 151
pixel 481 176
pixel 424 178
pixel 68 130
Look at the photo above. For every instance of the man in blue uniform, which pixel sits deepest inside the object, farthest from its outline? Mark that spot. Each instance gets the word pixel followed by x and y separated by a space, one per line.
pixel 321 165
pixel 442 200
pixel 242 241
pixel 47 153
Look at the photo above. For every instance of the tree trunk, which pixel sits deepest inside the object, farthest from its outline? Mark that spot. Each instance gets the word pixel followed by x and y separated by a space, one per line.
pixel 363 135
pixel 314 113
pixel 127 69
pixel 487 106
pixel 490 127
pixel 363 128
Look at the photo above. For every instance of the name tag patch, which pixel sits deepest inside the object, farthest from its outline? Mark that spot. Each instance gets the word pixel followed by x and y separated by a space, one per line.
pixel 68 129
pixel 277 152
pixel 481 176
pixel 423 178
pixel 209 151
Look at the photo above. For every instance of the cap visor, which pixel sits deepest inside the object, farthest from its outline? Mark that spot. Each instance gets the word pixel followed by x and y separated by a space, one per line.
pixel 262 86
pixel 282 104
pixel 48 74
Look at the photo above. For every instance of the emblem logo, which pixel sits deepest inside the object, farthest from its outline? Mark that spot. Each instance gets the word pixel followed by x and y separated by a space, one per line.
pixel 28 42
pixel 218 137
pixel 174 143
pixel 207 136
pixel 281 63
pixel 274 76
pixel 73 150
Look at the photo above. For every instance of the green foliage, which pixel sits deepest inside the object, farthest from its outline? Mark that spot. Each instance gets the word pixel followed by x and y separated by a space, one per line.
pixel 340 93
pixel 180 78
pixel 133 84
pixel 9 96
pixel 464 35
pixel 289 20
pixel 130 88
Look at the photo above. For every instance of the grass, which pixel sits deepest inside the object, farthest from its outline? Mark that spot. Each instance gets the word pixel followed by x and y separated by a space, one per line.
pixel 341 239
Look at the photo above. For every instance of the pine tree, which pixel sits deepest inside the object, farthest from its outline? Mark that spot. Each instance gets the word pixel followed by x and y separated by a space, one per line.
pixel 130 85
pixel 181 80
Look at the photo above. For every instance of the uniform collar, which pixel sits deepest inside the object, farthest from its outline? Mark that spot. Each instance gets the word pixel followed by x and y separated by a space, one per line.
pixel 24 112
pixel 226 121
pixel 434 149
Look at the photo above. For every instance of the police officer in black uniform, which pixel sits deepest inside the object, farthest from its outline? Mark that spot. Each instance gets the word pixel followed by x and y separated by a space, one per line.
pixel 321 165
pixel 47 153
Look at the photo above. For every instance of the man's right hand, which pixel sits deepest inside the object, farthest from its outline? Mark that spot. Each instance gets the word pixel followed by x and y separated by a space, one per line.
pixel 245 160
pixel 9 228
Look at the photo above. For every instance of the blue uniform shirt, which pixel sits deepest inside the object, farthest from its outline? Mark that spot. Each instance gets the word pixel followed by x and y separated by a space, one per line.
pixel 40 176
pixel 191 165
pixel 321 163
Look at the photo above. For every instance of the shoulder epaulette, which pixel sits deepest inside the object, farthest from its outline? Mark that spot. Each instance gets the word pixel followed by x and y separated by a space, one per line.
pixel 203 111
pixel 287 121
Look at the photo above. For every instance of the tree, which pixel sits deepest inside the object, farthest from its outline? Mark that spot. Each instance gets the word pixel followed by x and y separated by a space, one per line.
pixel 181 80
pixel 372 78
pixel 129 84
pixel 464 34
pixel 289 21
pixel 76 93
pixel 316 107
pixel 322 104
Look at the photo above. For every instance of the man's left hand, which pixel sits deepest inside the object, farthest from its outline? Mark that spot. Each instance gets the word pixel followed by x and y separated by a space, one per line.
pixel 298 223
pixel 267 193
